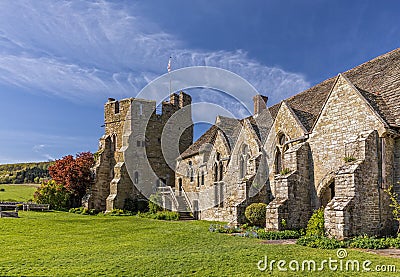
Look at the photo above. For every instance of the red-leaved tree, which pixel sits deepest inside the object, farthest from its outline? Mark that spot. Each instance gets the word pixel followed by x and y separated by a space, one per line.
pixel 74 174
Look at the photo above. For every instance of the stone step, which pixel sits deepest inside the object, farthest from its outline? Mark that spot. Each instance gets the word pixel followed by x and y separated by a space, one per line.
pixel 185 216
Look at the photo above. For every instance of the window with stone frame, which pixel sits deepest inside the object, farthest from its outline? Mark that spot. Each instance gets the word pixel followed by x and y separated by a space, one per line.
pixel 116 107
pixel 202 178
pixel 281 147
pixel 215 172
pixel 136 177
pixel 278 161
pixel 243 158
pixel 191 173
pixel 221 171
pixel 113 142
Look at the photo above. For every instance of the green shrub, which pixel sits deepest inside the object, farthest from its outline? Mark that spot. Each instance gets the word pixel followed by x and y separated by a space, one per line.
pixel 116 212
pixel 256 213
pixel 366 242
pixel 161 215
pixel 321 242
pixel 315 226
pixel 349 159
pixel 167 215
pixel 219 228
pixel 393 242
pixel 82 210
pixel 54 194
pixel 285 171
pixel 275 235
pixel 155 203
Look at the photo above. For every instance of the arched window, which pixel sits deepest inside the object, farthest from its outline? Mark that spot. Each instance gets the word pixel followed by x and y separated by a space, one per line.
pixel 191 175
pixel 202 178
pixel 191 171
pixel 221 170
pixel 241 167
pixel 136 177
pixel 327 194
pixel 116 110
pixel 198 179
pixel 243 160
pixel 215 169
pixel 114 142
pixel 282 139
pixel 278 161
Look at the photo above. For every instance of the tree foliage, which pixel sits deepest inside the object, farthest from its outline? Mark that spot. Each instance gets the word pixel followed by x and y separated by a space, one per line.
pixel 54 194
pixel 316 224
pixel 24 173
pixel 74 173
pixel 394 204
pixel 155 203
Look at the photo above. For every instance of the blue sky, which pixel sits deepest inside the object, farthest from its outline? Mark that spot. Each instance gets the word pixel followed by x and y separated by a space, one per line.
pixel 61 60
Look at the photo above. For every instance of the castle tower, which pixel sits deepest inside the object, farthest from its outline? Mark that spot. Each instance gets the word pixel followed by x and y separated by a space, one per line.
pixel 130 162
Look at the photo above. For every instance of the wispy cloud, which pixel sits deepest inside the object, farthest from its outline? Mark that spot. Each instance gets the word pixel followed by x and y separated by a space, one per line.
pixel 88 50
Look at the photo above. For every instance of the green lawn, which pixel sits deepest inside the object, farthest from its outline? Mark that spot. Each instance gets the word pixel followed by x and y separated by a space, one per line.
pixel 17 193
pixel 64 244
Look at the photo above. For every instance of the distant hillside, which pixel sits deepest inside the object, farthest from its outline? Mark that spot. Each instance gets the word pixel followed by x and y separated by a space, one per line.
pixel 24 173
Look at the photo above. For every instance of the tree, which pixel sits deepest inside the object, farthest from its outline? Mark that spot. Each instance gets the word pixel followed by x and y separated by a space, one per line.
pixel 394 204
pixel 54 194
pixel 74 174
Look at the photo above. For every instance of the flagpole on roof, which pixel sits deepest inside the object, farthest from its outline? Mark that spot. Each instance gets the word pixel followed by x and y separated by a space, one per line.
pixel 169 74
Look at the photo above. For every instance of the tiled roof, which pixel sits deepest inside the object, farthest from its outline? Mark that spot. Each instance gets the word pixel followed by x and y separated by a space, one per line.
pixel 378 81
pixel 208 137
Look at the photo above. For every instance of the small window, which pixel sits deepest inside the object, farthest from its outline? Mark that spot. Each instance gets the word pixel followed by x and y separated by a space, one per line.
pixel 198 179
pixel 202 178
pixel 278 161
pixel 114 142
pixel 282 139
pixel 136 177
pixel 138 143
pixel 191 175
pixel 221 171
pixel 140 109
pixel 215 172
pixel 241 167
pixel 116 107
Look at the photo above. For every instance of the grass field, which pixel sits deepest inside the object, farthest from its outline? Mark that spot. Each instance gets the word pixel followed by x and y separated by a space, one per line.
pixel 17 193
pixel 64 244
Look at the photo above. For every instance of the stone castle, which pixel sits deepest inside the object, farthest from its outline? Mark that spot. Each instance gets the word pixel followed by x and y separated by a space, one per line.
pixel 335 145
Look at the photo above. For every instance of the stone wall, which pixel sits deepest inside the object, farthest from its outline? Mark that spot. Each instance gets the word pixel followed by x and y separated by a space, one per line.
pixel 360 205
pixel 345 115
pixel 292 191
pixel 131 164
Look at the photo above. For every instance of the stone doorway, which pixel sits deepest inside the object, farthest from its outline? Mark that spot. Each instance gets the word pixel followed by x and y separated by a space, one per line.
pixel 327 193
pixel 180 186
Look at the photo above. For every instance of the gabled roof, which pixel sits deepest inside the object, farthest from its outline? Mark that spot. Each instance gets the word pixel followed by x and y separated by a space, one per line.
pixel 208 137
pixel 230 128
pixel 377 80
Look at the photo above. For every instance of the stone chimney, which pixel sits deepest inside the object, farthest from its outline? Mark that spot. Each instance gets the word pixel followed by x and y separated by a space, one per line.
pixel 260 103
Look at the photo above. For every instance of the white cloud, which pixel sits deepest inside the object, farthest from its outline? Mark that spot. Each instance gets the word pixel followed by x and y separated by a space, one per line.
pixel 89 50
